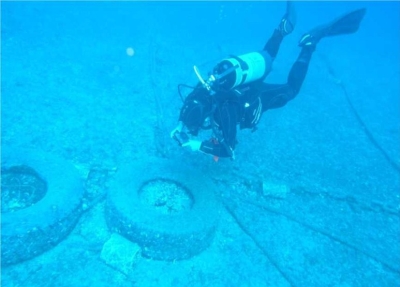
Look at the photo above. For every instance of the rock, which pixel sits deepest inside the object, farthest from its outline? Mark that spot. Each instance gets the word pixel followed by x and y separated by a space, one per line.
pixel 275 190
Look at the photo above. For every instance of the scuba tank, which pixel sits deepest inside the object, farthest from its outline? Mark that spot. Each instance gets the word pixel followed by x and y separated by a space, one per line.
pixel 237 70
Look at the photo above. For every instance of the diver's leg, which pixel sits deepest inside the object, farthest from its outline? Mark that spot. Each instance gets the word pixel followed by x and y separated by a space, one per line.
pixel 273 44
pixel 346 24
pixel 285 27
pixel 299 69
pixel 276 96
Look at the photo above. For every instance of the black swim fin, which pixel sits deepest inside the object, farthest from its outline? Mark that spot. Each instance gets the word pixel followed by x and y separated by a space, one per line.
pixel 345 24
pixel 288 21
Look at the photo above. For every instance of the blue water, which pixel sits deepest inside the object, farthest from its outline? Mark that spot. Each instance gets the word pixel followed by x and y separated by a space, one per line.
pixel 96 84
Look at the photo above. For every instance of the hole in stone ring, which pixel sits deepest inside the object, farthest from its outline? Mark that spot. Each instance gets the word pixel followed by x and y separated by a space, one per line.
pixel 166 196
pixel 21 187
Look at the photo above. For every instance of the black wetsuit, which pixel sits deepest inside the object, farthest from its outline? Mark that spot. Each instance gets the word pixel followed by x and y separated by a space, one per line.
pixel 244 105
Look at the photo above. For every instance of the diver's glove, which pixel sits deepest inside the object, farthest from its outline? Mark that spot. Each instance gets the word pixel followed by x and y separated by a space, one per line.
pixel 177 129
pixel 193 144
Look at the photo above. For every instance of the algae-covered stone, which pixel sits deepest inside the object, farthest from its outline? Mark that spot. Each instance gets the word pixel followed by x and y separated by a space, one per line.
pixel 275 190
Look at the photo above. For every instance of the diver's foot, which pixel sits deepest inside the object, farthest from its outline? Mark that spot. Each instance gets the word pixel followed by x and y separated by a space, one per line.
pixel 312 38
pixel 285 27
pixel 288 22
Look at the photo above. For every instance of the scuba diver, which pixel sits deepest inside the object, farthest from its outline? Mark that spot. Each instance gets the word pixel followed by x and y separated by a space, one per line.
pixel 235 93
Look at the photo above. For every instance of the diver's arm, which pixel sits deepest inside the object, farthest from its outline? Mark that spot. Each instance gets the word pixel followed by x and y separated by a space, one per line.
pixel 225 136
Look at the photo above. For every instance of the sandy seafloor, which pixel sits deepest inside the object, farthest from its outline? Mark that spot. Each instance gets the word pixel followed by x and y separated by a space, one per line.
pixel 69 88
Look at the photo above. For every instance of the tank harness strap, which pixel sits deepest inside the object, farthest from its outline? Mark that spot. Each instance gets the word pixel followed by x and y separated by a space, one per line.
pixel 244 67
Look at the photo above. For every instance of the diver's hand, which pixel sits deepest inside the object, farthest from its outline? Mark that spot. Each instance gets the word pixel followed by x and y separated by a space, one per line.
pixel 177 129
pixel 193 144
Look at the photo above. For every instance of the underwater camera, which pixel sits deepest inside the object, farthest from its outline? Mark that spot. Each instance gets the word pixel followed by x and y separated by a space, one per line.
pixel 181 137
